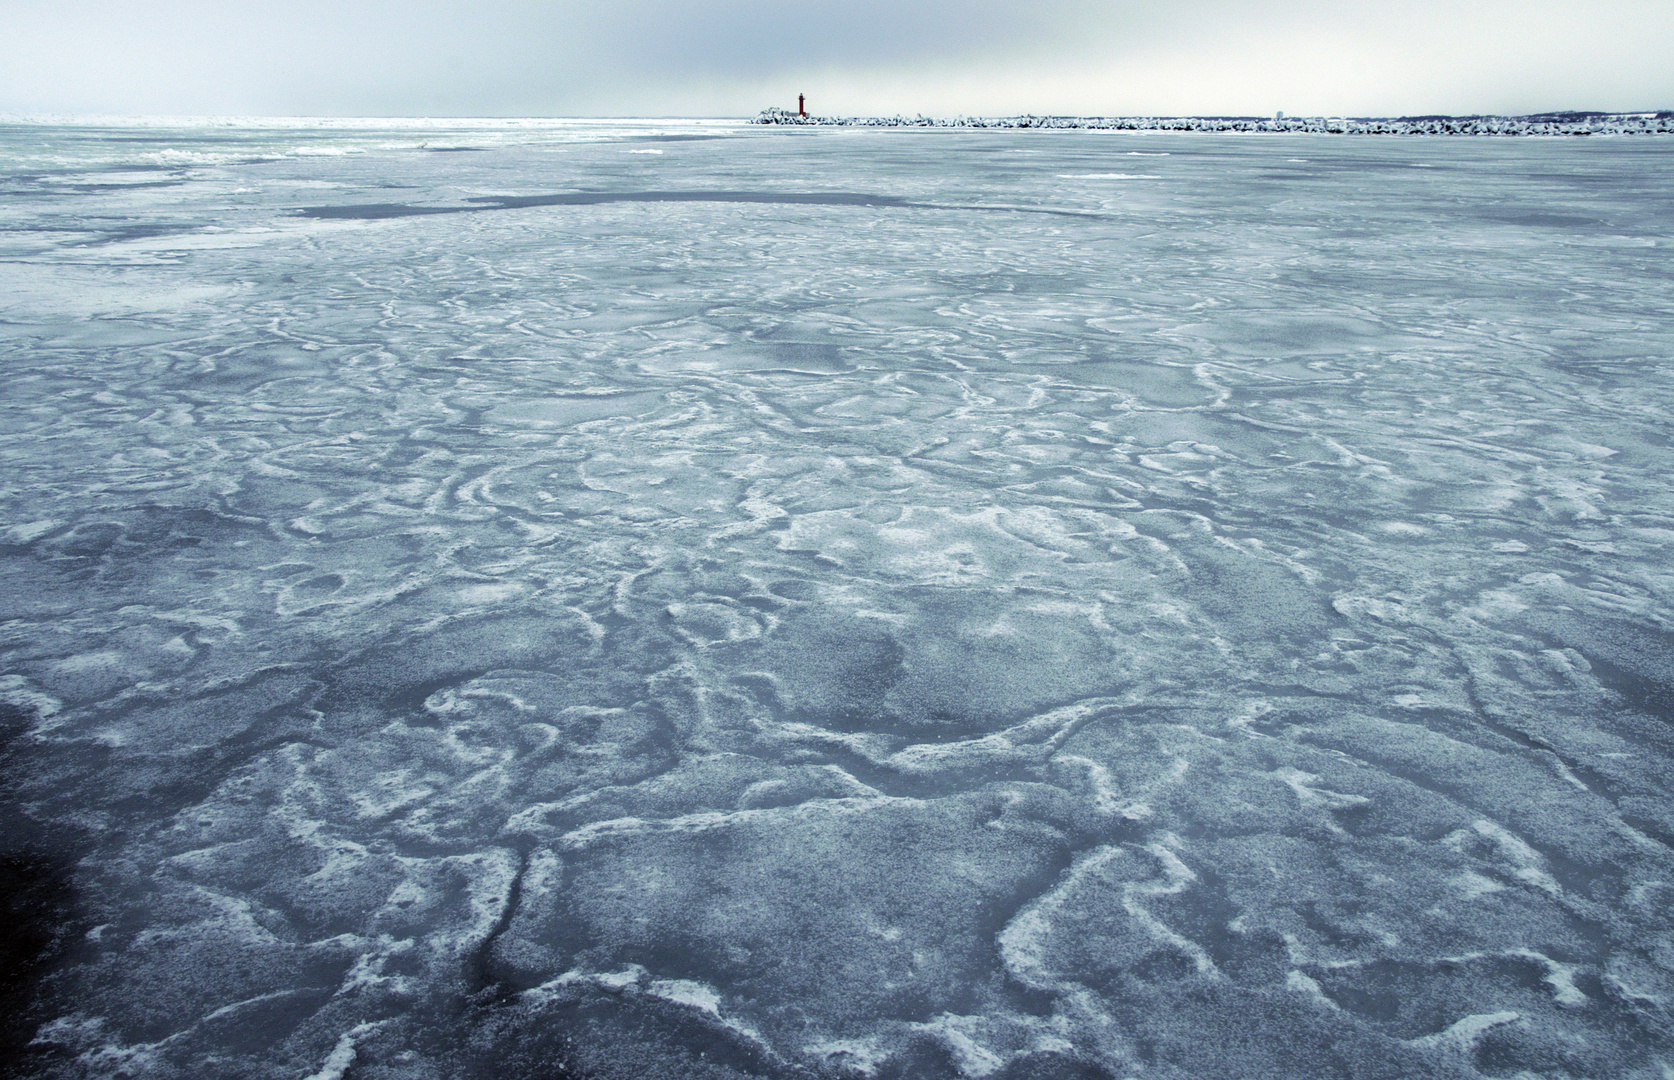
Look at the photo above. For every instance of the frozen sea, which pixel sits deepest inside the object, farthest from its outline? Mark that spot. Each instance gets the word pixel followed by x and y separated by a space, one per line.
pixel 602 600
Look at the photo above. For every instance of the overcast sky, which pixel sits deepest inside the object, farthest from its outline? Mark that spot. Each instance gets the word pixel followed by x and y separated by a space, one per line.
pixel 733 57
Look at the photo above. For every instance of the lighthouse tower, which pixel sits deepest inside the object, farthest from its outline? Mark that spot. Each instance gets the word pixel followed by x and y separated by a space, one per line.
pixel 801 107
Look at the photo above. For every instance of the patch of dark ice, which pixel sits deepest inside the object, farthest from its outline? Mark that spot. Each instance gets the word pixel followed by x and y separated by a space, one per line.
pixel 372 211
pixel 380 211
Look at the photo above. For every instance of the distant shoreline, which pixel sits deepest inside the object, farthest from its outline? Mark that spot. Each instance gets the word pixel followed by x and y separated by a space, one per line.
pixel 1564 123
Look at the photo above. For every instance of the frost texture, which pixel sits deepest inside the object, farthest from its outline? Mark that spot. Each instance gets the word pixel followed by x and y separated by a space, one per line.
pixel 842 603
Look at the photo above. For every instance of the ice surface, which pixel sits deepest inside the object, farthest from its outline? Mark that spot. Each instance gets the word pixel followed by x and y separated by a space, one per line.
pixel 840 602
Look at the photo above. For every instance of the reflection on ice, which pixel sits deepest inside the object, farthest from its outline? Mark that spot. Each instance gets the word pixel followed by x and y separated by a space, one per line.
pixel 705 619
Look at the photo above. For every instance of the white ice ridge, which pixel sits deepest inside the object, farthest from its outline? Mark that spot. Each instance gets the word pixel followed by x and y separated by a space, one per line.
pixel 1560 977
pixel 1106 797
pixel 635 979
pixel 1463 1034
pixel 342 1056
pixel 819 783
pixel 616 828
pixel 1024 938
pixel 858 1055
pixel 1525 863
pixel 962 1035
pixel 1179 876
pixel 16 690
pixel 1299 781
pixel 698 995
pixel 29 531
pixel 1303 983
pixel 1034 740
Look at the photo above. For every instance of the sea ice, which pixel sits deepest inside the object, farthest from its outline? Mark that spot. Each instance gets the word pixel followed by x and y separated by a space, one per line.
pixel 837 602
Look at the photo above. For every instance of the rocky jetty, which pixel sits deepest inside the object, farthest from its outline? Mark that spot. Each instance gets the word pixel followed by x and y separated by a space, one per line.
pixel 1562 123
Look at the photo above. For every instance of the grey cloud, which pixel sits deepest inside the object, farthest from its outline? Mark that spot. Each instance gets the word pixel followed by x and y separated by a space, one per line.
pixel 675 56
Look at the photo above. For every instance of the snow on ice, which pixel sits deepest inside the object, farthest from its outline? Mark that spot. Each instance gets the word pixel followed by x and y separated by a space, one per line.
pixel 843 603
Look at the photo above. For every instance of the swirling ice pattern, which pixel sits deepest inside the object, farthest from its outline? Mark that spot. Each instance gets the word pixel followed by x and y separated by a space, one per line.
pixel 1218 628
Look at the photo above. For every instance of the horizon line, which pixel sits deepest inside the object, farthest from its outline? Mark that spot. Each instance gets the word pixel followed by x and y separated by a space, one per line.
pixel 62 117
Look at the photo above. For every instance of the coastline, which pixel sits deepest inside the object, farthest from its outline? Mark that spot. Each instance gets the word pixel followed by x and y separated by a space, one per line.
pixel 1564 123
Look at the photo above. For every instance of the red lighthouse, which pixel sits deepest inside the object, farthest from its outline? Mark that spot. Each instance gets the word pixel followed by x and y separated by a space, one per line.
pixel 801 110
